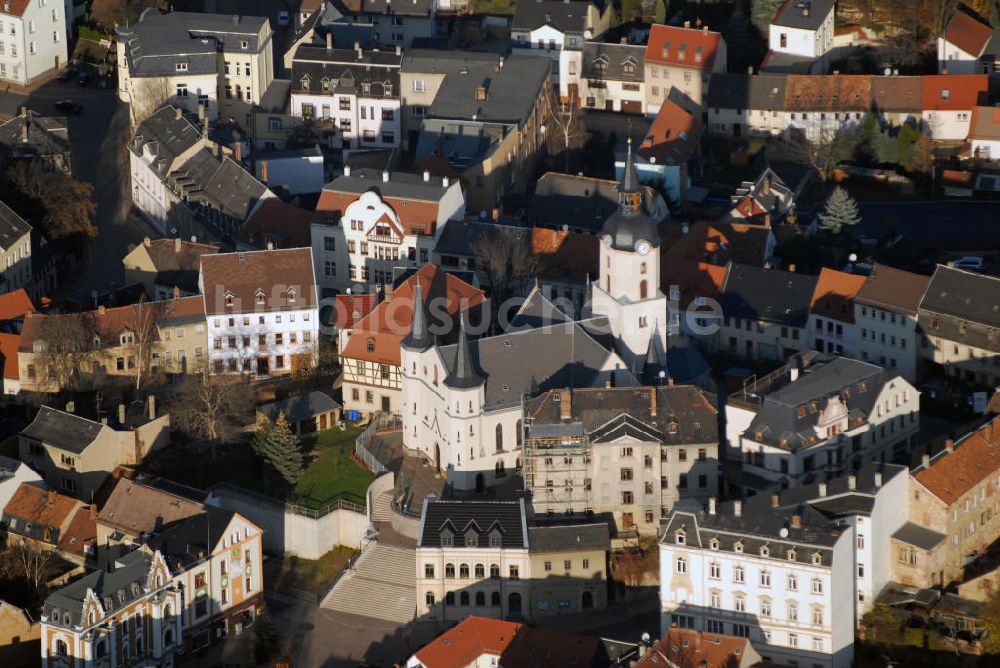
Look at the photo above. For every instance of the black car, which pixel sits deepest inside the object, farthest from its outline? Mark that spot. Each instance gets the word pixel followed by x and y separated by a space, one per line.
pixel 71 106
pixel 84 79
pixel 68 74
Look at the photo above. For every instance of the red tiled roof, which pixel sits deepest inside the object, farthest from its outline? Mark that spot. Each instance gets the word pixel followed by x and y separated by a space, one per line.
pixel 958 92
pixel 40 506
pixel 286 225
pixel 176 254
pixel 834 294
pixel 243 274
pixel 952 474
pixel 828 92
pixel 685 648
pixel 682 47
pixel 968 33
pixel 569 255
pixel 15 304
pixel 673 136
pixel 893 289
pixel 352 308
pixel 82 530
pixel 693 279
pixel 9 344
pixel 16 8
pixel 389 323
pixel 417 216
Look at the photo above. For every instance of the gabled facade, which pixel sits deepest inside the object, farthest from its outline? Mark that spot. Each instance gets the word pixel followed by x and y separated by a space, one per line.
pixel 793 573
pixel 350 96
pixel 802 28
pixel 885 313
pixel 628 452
pixel 961 325
pixel 949 101
pixel 832 327
pixel 820 416
pixel 377 221
pixel 379 22
pixel 684 59
pixel 167 268
pixel 558 30
pixel 36 40
pixel 15 251
pixel 609 77
pixel 967 46
pixel 262 311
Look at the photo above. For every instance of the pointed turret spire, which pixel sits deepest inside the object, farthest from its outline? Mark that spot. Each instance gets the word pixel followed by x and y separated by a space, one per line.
pixel 655 358
pixel 629 188
pixel 420 337
pixel 463 372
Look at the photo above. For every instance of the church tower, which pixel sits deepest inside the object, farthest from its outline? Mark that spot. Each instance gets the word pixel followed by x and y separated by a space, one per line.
pixel 627 290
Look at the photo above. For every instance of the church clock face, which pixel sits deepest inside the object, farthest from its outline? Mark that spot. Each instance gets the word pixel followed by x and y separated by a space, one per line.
pixel 643 247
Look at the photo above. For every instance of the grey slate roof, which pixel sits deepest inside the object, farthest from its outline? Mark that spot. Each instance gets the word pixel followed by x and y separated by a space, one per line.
pixel 511 92
pixel 234 190
pixel 301 407
pixel 62 430
pixel 47 135
pixel 12 226
pixel 462 143
pixel 803 14
pixel 767 92
pixel 459 236
pixel 157 41
pixel 579 202
pixel 918 536
pixel 402 185
pixel 789 410
pixel 117 589
pixel 615 57
pixel 334 9
pixel 346 72
pixel 564 16
pixel 769 295
pixel 729 91
pixel 963 294
pixel 167 135
pixel 481 516
pixel 463 374
pixel 535 360
pixel 566 538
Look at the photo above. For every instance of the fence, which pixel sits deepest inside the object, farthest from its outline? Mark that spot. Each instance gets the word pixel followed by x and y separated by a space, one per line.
pixel 294 508
pixel 381 422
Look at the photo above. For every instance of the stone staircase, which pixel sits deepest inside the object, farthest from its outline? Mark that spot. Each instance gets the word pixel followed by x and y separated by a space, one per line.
pixel 382 510
pixel 381 585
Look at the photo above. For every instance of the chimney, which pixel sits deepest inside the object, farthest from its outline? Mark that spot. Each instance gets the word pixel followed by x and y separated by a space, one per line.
pixel 687 24
pixel 791 267
pixel 101 309
pixel 796 521
pixel 852 481
pixel 445 181
pixel 565 404
pixel 805 9
pixel 652 401
pixel 347 170
pixel 427 175
pixel 147 242
pixel 52 496
pixel 767 219
pixel 737 508
pixel 711 505
pixel 121 414
pixel 152 407
pixel 177 245
pixel 775 500
pixel 93 511
pixel 177 292
pixel 178 112
pixel 925 461
pixel 24 130
pixel 329 41
pixel 949 445
pixel 793 374
pixel 239 152
pixel 263 171
pixel 766 186
pixel 878 479
pixel 704 30
pixel 201 113
pixel 385 176
pixel 270 244
pixel 204 127
pixel 822 489
pixel 399 50
pixel 357 50
pixel 70 406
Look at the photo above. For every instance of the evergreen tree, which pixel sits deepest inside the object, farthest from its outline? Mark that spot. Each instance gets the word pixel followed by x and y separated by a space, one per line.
pixel 266 641
pixel 841 212
pixel 275 443
pixel 739 41
pixel 868 150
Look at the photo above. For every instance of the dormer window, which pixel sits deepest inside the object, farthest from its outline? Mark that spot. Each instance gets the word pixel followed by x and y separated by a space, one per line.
pixel 291 295
pixel 680 538
pixel 260 296
pixel 244 44
pixel 180 67
pixel 447 538
pixel 325 84
pixel 127 338
pixel 387 89
pixel 738 547
pixel 366 88
pixel 495 538
pixel 471 539
pixel 817 559
pixel 765 551
pixel 791 555
pixel 713 544
pixel 305 82
pixel 229 299
pixel 370 345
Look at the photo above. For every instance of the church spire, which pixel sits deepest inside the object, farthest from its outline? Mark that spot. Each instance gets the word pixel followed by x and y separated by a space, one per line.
pixel 420 337
pixel 629 188
pixel 463 373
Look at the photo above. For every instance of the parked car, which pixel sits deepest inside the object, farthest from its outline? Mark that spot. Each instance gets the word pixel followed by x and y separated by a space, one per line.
pixel 84 79
pixel 68 74
pixel 971 262
pixel 71 106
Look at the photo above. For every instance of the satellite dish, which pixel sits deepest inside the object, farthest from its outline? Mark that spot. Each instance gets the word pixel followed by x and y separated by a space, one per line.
pixel 348 291
pixel 853 257
pixel 645 638
pixel 887 71
pixel 783 532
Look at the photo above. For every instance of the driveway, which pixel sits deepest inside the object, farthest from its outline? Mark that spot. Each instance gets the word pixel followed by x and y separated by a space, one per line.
pixel 98 137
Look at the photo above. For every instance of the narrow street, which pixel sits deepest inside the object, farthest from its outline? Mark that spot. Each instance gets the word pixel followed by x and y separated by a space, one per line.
pixel 98 136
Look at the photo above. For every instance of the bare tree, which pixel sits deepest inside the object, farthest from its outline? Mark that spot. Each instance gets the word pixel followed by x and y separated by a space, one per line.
pixel 142 325
pixel 504 255
pixel 64 347
pixel 823 152
pixel 31 563
pixel 147 94
pixel 66 205
pixel 568 128
pixel 213 408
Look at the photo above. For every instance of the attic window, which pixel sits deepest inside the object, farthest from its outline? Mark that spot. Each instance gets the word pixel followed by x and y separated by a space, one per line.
pixel 260 296
pixel 180 67
pixel 244 44
pixel 366 88
pixel 325 83
pixel 765 551
pixel 791 555
pixel 816 558
pixel 305 82
pixel 291 295
pixel 713 544
pixel 738 548
pixel 679 537
pixel 945 94
pixel 387 89
pixel 229 299
pixel 371 345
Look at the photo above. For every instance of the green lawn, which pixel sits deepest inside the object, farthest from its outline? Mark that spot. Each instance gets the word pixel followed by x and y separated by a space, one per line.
pixel 293 573
pixel 332 475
